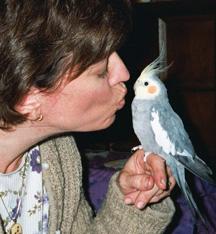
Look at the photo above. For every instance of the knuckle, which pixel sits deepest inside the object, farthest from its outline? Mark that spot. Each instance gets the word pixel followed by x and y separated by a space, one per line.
pixel 138 183
pixel 141 182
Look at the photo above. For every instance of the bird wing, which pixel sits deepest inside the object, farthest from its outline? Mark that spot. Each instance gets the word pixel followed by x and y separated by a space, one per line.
pixel 171 136
pixel 170 133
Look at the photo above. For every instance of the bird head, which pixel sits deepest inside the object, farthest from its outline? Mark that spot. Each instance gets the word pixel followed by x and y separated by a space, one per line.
pixel 148 85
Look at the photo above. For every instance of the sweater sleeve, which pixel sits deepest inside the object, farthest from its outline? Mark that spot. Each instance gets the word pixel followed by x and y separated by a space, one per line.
pixel 115 217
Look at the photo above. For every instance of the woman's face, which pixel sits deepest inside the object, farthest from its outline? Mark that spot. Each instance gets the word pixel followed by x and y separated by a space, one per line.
pixel 90 101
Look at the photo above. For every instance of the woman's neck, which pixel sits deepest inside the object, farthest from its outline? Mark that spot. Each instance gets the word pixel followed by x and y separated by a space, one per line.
pixel 13 144
pixel 7 167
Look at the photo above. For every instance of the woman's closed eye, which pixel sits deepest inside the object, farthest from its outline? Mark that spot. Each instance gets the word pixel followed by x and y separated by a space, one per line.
pixel 103 74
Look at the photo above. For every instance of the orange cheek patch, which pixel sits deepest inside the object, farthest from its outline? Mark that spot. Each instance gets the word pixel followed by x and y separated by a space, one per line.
pixel 152 89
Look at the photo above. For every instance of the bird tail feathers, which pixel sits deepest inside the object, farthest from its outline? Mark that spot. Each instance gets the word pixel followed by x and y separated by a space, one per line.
pixel 191 202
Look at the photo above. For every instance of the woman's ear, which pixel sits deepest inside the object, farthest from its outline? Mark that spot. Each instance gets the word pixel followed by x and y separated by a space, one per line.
pixel 30 105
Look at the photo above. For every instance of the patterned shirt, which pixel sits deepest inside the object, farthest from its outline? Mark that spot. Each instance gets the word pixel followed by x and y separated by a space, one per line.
pixel 34 207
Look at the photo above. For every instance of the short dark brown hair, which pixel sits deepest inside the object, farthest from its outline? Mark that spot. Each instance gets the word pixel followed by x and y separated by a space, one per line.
pixel 41 39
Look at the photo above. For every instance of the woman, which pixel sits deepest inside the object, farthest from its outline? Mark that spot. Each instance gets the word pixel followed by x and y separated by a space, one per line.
pixel 60 73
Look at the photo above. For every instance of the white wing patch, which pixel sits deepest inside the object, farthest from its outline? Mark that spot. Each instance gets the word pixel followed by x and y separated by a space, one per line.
pixel 161 135
pixel 162 138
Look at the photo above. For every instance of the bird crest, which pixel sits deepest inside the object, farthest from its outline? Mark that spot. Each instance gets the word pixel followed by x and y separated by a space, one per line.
pixel 155 68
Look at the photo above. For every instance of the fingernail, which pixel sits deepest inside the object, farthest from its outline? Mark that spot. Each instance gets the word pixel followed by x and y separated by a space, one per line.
pixel 128 201
pixel 140 205
pixel 163 181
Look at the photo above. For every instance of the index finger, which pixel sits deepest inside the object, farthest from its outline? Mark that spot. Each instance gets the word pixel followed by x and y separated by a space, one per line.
pixel 159 170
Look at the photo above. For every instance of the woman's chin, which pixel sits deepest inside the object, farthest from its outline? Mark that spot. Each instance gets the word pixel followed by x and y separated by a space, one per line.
pixel 97 126
pixel 107 123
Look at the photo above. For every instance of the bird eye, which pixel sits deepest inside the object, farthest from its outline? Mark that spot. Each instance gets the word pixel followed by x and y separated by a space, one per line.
pixel 146 83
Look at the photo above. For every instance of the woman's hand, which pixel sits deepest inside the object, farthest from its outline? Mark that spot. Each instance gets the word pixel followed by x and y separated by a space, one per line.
pixel 145 182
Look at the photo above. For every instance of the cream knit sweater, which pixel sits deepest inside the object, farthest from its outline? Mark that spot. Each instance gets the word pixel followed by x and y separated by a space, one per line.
pixel 70 213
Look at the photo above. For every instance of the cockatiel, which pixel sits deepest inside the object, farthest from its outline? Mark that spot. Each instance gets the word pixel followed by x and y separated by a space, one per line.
pixel 161 131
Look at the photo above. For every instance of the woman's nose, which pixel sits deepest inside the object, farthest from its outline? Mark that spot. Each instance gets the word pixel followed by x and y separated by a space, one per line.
pixel 117 70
